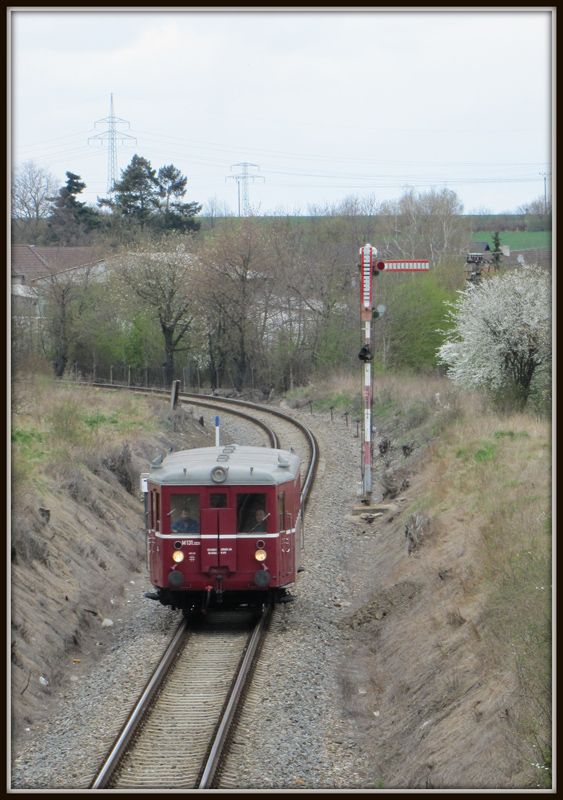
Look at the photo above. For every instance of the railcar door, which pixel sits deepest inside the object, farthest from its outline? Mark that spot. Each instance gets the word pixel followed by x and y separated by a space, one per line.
pixel 287 539
pixel 153 543
pixel 218 520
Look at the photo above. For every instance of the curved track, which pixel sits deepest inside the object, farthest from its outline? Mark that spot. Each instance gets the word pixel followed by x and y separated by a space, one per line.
pixel 290 423
pixel 175 736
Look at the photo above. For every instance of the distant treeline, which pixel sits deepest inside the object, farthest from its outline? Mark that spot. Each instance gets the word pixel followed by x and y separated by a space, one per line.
pixel 508 222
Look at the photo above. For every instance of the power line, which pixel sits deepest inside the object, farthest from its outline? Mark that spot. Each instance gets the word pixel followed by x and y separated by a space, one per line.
pixel 206 144
pixel 112 136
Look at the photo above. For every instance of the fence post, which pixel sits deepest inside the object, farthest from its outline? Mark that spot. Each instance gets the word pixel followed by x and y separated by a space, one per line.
pixel 311 406
pixel 129 375
pixel 331 414
pixel 174 394
pixel 346 415
pixel 146 377
pixel 111 374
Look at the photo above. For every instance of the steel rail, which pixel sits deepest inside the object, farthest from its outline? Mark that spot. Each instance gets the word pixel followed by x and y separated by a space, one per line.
pixel 233 700
pixel 118 748
pixel 273 437
pixel 251 652
pixel 208 400
pixel 206 403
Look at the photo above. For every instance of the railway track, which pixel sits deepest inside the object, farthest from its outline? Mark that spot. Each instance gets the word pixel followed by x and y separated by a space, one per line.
pixel 259 412
pixel 233 406
pixel 176 734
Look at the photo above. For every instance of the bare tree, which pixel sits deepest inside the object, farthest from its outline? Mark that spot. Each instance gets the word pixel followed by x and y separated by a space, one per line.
pixel 64 298
pixel 424 225
pixel 237 292
pixel 540 206
pixel 33 189
pixel 215 208
pixel 162 276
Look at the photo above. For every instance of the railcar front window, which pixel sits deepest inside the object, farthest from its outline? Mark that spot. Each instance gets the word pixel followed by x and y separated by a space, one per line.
pixel 184 513
pixel 251 513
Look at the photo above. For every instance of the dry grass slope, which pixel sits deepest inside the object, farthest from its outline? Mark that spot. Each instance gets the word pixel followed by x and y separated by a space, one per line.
pixel 459 629
pixel 76 534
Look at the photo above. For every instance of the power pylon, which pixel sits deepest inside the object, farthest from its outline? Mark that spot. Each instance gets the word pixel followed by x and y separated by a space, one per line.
pixel 545 176
pixel 112 136
pixel 242 178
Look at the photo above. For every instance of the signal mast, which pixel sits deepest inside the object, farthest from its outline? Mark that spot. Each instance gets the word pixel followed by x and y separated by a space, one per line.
pixel 369 267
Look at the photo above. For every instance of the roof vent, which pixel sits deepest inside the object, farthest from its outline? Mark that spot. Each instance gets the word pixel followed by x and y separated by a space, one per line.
pixel 283 462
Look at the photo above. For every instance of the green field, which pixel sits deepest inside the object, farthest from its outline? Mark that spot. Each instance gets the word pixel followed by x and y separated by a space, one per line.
pixel 517 240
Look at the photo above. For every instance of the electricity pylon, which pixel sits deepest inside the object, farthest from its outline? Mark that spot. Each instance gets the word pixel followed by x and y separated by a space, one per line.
pixel 243 178
pixel 112 136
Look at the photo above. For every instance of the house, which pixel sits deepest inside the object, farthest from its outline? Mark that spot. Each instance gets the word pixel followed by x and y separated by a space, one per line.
pixel 480 253
pixel 30 265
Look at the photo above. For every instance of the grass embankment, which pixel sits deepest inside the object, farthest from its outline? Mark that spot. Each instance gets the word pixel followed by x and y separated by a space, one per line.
pixel 58 426
pixel 76 526
pixel 486 487
pixel 497 470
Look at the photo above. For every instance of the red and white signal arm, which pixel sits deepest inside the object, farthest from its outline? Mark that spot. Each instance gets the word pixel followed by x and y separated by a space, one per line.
pixel 367 263
pixel 413 265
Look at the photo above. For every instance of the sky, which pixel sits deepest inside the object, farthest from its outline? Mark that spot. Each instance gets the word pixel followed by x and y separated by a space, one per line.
pixel 324 104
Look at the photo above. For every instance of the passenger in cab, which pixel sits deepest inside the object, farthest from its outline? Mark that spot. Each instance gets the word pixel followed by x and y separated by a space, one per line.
pixel 185 523
pixel 260 524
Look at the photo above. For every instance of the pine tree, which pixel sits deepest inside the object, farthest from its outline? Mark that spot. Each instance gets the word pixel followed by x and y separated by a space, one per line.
pixel 174 214
pixel 71 220
pixel 135 196
pixel 497 254
pixel 150 199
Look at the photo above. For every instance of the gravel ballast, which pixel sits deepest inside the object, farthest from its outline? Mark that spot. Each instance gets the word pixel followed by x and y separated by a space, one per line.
pixel 305 713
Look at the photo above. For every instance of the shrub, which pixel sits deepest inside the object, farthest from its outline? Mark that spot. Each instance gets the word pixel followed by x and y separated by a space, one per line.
pixel 501 336
pixel 65 422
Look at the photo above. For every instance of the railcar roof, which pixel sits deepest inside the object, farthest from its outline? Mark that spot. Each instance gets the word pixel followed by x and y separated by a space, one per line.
pixel 244 465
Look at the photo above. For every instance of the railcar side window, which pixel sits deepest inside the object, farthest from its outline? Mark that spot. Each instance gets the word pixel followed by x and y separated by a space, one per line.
pixel 184 516
pixel 251 513
pixel 281 511
pixel 155 507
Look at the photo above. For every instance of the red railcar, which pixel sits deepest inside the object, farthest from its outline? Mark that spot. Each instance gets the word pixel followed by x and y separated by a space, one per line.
pixel 224 524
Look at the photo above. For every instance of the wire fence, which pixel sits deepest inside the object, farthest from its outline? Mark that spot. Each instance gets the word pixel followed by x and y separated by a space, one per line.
pixel 140 377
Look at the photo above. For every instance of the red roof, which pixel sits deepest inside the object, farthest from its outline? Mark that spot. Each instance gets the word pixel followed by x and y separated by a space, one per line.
pixel 36 262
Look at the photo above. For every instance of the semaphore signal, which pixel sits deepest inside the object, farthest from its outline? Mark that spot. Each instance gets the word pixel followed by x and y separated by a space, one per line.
pixel 369 267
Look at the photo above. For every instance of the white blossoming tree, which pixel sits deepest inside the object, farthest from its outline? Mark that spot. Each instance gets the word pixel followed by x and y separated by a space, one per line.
pixel 501 334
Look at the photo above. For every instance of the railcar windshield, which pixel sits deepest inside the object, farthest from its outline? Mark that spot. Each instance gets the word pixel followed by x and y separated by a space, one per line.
pixel 251 513
pixel 184 513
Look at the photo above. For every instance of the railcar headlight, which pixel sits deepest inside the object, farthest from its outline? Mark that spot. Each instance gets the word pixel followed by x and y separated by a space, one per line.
pixel 177 556
pixel 260 555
